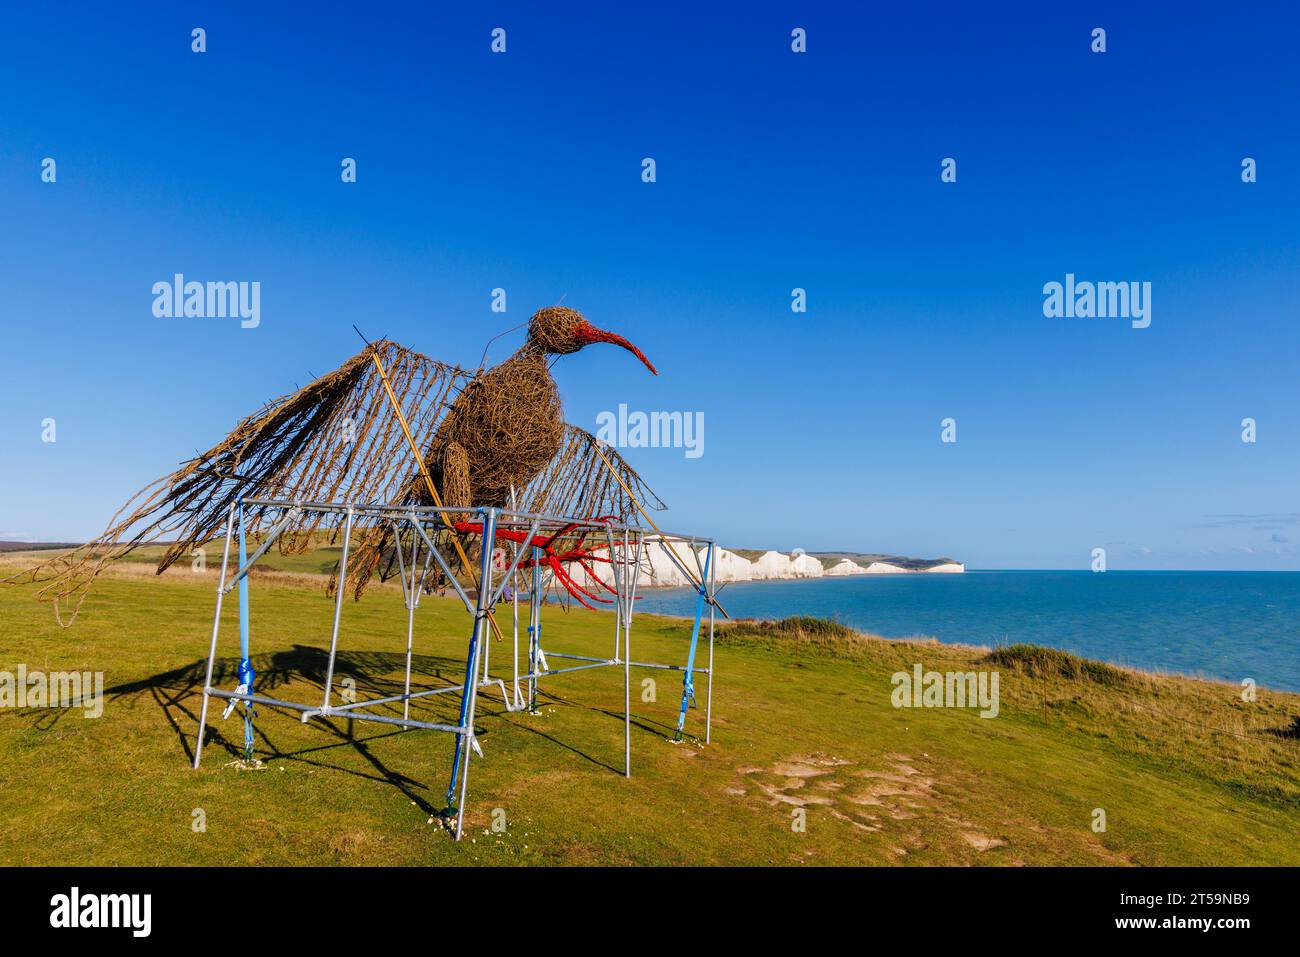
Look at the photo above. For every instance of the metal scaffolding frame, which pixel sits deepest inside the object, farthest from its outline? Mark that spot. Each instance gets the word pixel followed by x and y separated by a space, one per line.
pixel 628 547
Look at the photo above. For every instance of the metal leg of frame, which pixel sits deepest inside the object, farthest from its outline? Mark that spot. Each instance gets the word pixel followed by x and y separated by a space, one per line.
pixel 411 594
pixel 688 678
pixel 638 548
pixel 212 650
pixel 626 617
pixel 341 587
pixel 465 740
pixel 515 548
pixel 485 653
pixel 514 602
pixel 617 574
pixel 514 618
pixel 708 705
pixel 534 630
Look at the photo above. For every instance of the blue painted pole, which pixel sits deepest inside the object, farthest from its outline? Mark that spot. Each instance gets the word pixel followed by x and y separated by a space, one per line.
pixel 246 673
pixel 243 591
pixel 461 755
pixel 688 678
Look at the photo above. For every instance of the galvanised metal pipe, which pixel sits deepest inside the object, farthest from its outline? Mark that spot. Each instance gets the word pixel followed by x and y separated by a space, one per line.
pixel 442 563
pixel 672 555
pixel 212 650
pixel 401 564
pixel 514 608
pixel 688 683
pixel 708 704
pixel 535 629
pixel 561 671
pixel 506 517
pixel 647 664
pixel 505 579
pixel 410 614
pixel 243 591
pixel 461 758
pixel 626 618
pixel 334 709
pixel 618 591
pixel 262 699
pixel 246 564
pixel 338 607
pixel 311 711
pixel 402 722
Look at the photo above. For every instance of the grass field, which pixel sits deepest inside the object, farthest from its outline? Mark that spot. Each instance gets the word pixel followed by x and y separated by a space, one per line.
pixel 1185 771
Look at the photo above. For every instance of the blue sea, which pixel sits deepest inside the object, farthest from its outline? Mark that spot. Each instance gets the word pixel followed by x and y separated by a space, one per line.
pixel 1225 625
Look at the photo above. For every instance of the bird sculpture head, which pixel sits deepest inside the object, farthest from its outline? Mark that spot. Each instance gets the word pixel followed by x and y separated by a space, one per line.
pixel 558 330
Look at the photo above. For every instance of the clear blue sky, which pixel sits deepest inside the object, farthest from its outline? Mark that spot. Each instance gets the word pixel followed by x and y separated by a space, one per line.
pixel 775 170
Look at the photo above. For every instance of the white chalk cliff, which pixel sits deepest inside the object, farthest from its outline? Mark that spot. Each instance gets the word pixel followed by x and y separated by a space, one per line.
pixel 730 567
pixel 885 568
pixel 771 565
pixel 659 570
pixel 663 571
pixel 805 566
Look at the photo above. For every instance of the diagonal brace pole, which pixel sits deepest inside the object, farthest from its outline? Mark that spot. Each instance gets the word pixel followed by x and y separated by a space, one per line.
pixel 428 481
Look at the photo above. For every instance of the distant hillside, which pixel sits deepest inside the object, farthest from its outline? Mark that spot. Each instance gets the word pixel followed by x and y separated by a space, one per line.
pixel 828 559
pixel 35 546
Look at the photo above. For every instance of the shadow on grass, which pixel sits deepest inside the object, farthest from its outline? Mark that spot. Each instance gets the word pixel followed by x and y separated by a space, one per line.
pixel 555 699
pixel 179 694
pixel 1290 732
pixel 299 675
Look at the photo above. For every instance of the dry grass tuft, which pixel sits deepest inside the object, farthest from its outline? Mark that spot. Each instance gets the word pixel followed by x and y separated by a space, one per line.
pixel 1039 662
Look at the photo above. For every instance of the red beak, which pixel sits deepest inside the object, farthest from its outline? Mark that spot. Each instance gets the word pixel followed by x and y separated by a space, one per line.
pixel 586 334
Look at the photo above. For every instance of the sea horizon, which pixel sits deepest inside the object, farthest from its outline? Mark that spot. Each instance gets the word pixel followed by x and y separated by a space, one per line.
pixel 1217 625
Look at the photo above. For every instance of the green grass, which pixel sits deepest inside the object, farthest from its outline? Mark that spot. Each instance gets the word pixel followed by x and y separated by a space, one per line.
pixel 1039 662
pixel 321 559
pixel 1186 772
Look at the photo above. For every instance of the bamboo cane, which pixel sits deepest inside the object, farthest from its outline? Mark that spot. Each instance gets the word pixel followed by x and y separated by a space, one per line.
pixel 428 481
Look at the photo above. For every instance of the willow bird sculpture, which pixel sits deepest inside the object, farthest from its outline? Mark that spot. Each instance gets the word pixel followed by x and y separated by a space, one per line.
pixel 490 438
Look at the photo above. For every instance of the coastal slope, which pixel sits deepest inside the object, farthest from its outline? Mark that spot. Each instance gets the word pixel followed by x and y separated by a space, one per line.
pixel 805 729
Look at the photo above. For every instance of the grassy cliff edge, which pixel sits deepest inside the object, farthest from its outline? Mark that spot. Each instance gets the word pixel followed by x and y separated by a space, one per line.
pixel 1182 771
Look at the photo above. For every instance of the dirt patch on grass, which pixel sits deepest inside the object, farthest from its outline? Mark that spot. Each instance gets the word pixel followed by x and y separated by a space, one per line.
pixel 982 842
pixel 864 798
pixel 899 799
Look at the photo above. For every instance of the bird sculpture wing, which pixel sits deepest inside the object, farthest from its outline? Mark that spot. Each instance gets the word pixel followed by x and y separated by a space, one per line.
pixel 588 480
pixel 335 439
